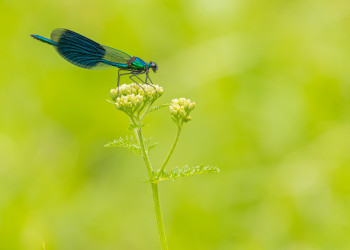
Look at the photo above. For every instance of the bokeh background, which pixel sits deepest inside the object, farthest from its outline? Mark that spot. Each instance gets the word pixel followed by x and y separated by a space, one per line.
pixel 271 81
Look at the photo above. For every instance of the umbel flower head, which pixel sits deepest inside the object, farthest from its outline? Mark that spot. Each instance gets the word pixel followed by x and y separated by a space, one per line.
pixel 180 110
pixel 134 97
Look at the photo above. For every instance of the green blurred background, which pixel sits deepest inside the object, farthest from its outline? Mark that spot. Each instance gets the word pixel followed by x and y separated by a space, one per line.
pixel 271 81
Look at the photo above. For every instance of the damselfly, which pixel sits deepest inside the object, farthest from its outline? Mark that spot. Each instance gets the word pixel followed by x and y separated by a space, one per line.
pixel 85 53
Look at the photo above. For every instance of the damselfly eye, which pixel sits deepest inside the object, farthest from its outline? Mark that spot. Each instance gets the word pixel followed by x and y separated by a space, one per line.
pixel 154 66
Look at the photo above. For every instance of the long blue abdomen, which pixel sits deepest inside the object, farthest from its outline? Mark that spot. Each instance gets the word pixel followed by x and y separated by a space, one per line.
pixel 43 39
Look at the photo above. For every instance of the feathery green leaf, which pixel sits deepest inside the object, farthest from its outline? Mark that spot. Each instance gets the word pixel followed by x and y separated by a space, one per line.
pixel 158 107
pixel 187 171
pixel 131 144
pixel 128 142
pixel 148 145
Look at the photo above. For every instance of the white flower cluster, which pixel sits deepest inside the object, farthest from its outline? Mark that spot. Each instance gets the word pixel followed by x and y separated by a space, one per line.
pixel 180 110
pixel 128 101
pixel 132 97
pixel 145 90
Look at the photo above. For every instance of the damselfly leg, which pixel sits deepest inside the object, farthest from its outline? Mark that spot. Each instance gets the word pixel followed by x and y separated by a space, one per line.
pixel 150 80
pixel 136 75
pixel 119 75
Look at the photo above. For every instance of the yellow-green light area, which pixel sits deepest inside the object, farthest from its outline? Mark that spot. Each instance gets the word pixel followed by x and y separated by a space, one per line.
pixel 271 83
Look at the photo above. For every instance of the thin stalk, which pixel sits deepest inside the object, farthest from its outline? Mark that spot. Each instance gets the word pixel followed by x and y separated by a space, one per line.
pixel 160 225
pixel 161 230
pixel 145 154
pixel 146 110
pixel 170 152
pixel 132 119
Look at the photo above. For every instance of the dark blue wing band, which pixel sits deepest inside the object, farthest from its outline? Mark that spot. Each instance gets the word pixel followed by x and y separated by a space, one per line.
pixel 77 49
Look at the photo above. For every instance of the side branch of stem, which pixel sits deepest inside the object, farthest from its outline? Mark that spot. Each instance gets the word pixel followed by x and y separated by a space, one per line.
pixel 170 152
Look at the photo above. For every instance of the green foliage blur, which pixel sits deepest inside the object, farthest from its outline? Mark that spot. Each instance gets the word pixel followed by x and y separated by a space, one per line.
pixel 271 81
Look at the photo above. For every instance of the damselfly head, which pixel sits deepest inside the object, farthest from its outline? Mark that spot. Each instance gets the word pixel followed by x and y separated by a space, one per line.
pixel 153 66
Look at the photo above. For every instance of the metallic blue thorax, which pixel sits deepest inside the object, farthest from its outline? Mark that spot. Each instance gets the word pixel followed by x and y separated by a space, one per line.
pixel 138 64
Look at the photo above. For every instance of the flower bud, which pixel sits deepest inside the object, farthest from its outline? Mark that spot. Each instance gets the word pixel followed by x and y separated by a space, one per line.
pixel 134 97
pixel 180 110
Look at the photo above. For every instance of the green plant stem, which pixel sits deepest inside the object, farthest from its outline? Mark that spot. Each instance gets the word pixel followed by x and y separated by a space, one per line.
pixel 145 153
pixel 170 152
pixel 161 230
pixel 146 110
pixel 132 119
pixel 160 225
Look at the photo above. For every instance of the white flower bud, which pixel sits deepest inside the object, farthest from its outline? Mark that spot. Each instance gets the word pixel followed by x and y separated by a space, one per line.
pixel 134 97
pixel 180 110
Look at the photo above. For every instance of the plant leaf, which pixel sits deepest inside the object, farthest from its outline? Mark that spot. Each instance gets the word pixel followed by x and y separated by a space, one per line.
pixel 131 144
pixel 134 126
pixel 187 171
pixel 127 142
pixel 111 102
pixel 158 107
pixel 148 145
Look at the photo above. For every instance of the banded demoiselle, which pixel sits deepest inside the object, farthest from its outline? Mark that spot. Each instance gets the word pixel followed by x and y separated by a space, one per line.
pixel 85 53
